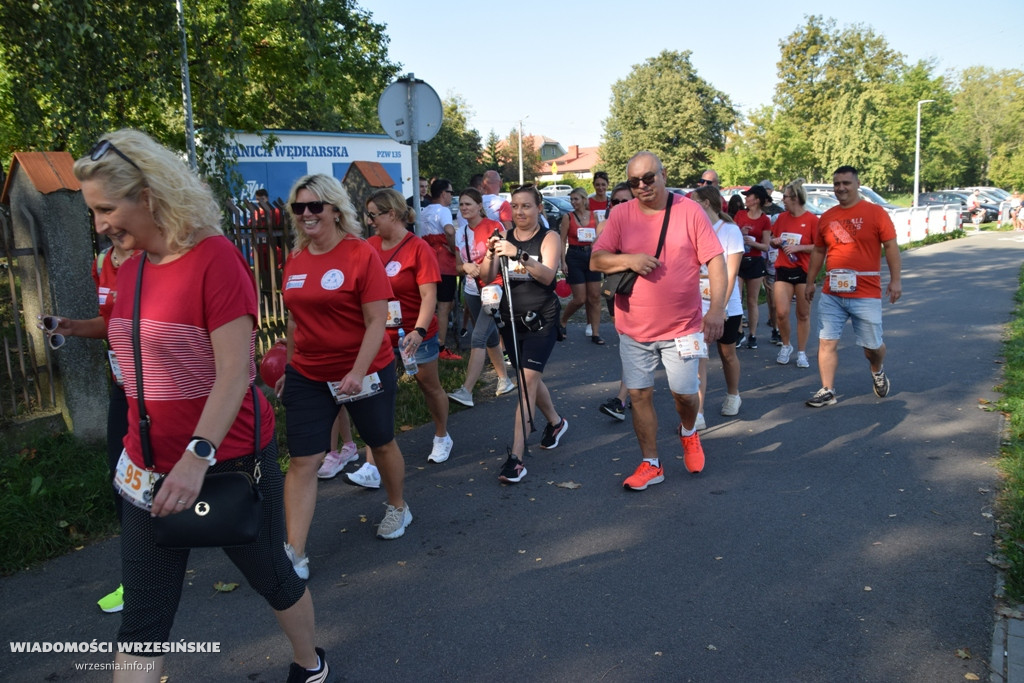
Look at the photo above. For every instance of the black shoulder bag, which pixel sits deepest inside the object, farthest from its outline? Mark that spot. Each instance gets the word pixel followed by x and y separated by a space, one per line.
pixel 229 508
pixel 622 282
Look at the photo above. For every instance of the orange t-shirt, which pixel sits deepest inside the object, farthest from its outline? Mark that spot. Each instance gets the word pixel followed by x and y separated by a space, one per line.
pixel 853 240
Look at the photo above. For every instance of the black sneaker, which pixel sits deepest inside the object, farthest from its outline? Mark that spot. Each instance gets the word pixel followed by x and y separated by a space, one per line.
pixel 553 434
pixel 513 471
pixel 824 397
pixel 776 337
pixel 881 383
pixel 741 341
pixel 613 408
pixel 298 674
pixel 751 342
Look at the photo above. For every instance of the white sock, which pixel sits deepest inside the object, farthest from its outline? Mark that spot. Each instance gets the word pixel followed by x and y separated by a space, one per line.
pixel 654 461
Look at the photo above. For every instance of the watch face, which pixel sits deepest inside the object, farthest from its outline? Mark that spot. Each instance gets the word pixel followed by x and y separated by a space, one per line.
pixel 204 449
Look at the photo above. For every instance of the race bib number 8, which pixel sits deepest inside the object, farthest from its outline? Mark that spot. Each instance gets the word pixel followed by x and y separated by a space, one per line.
pixel 692 346
pixel 394 314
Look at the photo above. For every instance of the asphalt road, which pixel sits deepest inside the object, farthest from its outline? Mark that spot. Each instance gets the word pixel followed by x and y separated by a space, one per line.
pixel 846 543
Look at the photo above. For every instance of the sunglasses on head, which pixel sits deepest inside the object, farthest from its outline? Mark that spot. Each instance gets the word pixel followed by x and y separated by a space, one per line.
pixel 646 179
pixel 100 149
pixel 315 208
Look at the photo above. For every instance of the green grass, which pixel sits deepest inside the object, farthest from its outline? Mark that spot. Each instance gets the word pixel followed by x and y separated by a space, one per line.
pixel 1011 498
pixel 55 496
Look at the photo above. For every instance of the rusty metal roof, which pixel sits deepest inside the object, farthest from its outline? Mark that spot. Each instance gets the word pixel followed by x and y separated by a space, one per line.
pixel 374 173
pixel 47 171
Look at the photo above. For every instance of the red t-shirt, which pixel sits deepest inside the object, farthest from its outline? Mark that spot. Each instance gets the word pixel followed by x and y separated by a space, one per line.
pixel 104 274
pixel 853 240
pixel 798 231
pixel 182 302
pixel 595 204
pixel 574 229
pixel 325 294
pixel 408 265
pixel 755 227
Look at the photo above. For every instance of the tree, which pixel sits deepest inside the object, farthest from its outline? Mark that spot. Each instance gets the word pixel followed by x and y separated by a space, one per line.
pixel 254 64
pixel 494 156
pixel 665 107
pixel 509 170
pixel 988 116
pixel 454 153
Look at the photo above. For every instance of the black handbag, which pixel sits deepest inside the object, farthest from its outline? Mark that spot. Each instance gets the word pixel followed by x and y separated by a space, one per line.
pixel 622 282
pixel 229 508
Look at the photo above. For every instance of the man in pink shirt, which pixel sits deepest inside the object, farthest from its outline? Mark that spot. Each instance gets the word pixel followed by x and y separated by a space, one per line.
pixel 661 322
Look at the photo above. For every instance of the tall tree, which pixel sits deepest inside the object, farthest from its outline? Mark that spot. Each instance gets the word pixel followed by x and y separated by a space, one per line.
pixel 665 107
pixel 453 153
pixel 509 170
pixel 70 71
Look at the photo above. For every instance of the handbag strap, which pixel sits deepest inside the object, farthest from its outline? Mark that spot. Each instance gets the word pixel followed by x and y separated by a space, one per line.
pixel 664 224
pixel 144 422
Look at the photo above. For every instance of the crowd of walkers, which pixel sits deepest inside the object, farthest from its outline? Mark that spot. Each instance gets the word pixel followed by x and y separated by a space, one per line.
pixel 674 271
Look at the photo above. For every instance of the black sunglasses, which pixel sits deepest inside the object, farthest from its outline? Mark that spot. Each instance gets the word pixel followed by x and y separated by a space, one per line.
pixel 103 146
pixel 616 202
pixel 315 208
pixel 705 182
pixel 646 179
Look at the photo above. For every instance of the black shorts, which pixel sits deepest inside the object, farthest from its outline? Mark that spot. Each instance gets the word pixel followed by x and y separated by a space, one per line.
pixel 310 411
pixel 446 289
pixel 731 330
pixel 752 267
pixel 577 259
pixel 792 276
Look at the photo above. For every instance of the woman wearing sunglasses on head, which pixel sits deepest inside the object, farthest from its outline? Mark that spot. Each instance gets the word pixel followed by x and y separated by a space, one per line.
pixel 196 302
pixel 532 256
pixel 411 266
pixel 337 292
pixel 578 230
pixel 599 201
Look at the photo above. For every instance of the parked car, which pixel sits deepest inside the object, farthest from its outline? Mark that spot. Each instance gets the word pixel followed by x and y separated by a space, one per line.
pixel 556 190
pixel 865 193
pixel 454 206
pixel 819 202
pixel 955 197
pixel 997 194
pixel 554 209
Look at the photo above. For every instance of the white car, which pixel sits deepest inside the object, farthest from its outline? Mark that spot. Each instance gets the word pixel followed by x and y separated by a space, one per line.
pixel 556 190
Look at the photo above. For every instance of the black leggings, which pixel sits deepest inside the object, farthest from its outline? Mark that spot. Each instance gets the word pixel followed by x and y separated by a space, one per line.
pixel 153 576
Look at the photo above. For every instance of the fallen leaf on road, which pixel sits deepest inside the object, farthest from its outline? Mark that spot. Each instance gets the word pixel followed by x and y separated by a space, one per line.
pixel 867 588
pixel 222 587
pixel 568 485
pixel 963 653
pixel 972 677
pixel 1005 611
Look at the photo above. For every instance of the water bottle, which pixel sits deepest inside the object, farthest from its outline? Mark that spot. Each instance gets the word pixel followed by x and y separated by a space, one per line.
pixel 411 367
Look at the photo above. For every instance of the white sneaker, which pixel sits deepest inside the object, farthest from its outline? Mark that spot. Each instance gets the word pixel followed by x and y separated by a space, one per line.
pixel 801 360
pixel 731 405
pixel 462 396
pixel 701 423
pixel 589 332
pixel 366 476
pixel 784 353
pixel 394 522
pixel 504 386
pixel 442 449
pixel 336 461
pixel 301 564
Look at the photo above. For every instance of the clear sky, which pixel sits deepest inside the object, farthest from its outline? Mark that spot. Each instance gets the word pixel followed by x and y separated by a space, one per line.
pixel 553 63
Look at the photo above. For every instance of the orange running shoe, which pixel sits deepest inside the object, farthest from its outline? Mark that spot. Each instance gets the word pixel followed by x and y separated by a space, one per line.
pixel 693 452
pixel 645 475
pixel 448 355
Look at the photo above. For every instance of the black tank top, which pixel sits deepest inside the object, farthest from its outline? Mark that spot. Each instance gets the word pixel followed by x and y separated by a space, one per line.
pixel 528 294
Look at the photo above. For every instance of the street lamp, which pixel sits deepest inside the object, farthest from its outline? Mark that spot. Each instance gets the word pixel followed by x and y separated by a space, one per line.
pixel 521 148
pixel 917 153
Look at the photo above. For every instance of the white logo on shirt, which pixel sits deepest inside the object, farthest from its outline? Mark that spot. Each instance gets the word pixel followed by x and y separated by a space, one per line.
pixel 332 279
pixel 295 281
pixel 392 268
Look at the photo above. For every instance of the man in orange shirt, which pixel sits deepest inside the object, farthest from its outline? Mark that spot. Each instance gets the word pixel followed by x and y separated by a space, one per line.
pixel 852 236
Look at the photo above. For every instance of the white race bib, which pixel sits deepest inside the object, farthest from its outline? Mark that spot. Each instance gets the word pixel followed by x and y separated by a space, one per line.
pixel 133 483
pixel 586 234
pixel 842 281
pixel 705 289
pixel 394 314
pixel 371 386
pixel 115 369
pixel 692 346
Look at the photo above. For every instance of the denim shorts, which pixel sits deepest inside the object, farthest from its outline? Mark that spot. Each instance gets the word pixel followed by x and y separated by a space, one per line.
pixel 640 362
pixel 866 315
pixel 427 352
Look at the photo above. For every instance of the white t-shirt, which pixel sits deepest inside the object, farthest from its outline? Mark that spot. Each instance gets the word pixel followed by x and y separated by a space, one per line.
pixel 493 205
pixel 731 237
pixel 433 218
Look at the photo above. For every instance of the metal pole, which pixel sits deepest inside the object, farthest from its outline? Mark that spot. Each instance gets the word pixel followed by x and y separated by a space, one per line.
pixel 186 88
pixel 410 84
pixel 520 152
pixel 917 153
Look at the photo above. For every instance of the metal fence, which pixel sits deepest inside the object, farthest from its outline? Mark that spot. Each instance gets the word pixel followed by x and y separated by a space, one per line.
pixel 262 234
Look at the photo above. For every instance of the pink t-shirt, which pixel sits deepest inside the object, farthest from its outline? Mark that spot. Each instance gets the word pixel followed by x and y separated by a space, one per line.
pixel 666 303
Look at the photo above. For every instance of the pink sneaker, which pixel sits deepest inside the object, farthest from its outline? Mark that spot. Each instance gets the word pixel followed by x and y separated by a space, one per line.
pixel 693 452
pixel 336 461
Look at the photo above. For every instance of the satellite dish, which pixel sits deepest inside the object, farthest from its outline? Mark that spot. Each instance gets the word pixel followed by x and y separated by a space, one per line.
pixel 410 109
